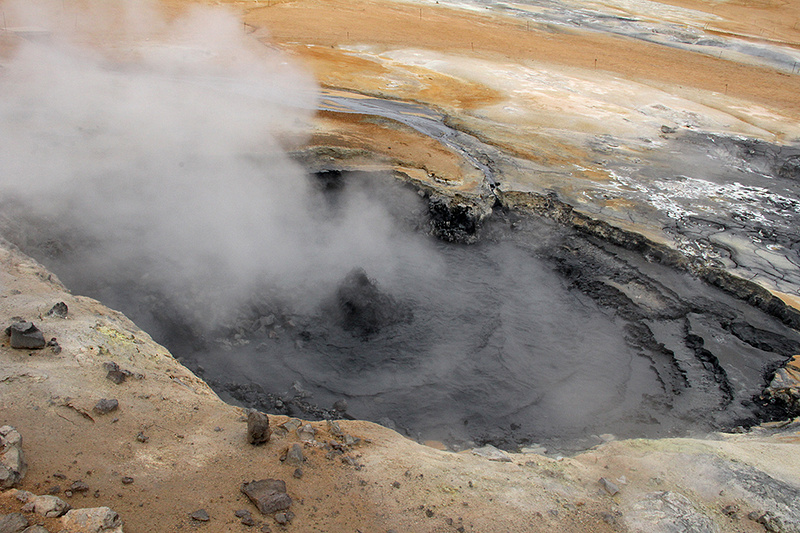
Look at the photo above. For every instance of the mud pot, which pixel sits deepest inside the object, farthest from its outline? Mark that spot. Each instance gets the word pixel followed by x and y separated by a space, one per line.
pixel 534 334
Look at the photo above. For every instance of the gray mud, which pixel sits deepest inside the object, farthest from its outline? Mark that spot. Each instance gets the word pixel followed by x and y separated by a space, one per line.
pixel 534 334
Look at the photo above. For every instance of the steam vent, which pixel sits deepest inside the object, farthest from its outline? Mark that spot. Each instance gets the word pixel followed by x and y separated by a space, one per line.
pixel 400 266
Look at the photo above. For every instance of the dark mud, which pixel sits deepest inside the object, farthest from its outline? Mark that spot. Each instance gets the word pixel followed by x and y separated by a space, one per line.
pixel 539 332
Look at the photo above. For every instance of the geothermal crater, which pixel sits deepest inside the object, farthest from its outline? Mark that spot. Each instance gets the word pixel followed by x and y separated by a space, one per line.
pixel 533 334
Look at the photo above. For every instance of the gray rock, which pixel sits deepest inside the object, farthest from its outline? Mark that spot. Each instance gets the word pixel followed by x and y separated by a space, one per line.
pixel 284 517
pixel 246 517
pixel 79 486
pixel 269 495
pixel 12 460
pixel 667 512
pixel 48 506
pixel 106 405
pixel 306 433
pixel 59 310
pixel 610 486
pixel 492 453
pixel 201 515
pixel 35 529
pixel 13 523
pixel 257 427
pixel 25 335
pixel 333 427
pixel 292 424
pixel 92 520
pixel 295 455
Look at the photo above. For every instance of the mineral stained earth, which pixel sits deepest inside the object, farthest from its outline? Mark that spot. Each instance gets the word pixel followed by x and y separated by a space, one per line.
pixel 675 120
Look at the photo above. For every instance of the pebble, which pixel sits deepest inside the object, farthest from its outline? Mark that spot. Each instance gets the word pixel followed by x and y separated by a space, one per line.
pixel 79 486
pixel 268 495
pixel 246 517
pixel 298 473
pixel 127 480
pixel 295 455
pixel 141 437
pixel 106 405
pixel 257 427
pixel 200 515
pixel 284 518
pixel 610 487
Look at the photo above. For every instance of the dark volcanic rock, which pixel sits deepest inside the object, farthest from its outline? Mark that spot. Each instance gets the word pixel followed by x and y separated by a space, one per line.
pixel 453 220
pixel 105 406
pixel 201 515
pixel 257 427
pixel 59 310
pixel 26 336
pixel 269 495
pixel 364 309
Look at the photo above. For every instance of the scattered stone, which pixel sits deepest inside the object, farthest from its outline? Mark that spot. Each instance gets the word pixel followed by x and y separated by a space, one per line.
pixel 257 427
pixel 298 473
pixel 284 517
pixel 269 495
pixel 12 460
pixel 68 493
pixel 295 455
pixel 115 373
pixel 492 453
pixel 79 486
pixel 53 343
pixel 127 480
pixel 667 512
pixel 292 424
pixel 429 513
pixel 246 517
pixel 24 496
pixel 731 510
pixel 48 506
pixel 106 405
pixel 200 515
pixel 13 523
pixel 610 487
pixel 55 489
pixel 92 520
pixel 141 437
pixel 350 440
pixel 25 336
pixel 333 427
pixel 59 310
pixel 306 433
pixel 772 523
pixel 534 449
pixel 266 529
pixel 667 129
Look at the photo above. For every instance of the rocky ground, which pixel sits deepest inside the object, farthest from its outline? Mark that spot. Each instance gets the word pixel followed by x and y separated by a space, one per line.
pixel 572 108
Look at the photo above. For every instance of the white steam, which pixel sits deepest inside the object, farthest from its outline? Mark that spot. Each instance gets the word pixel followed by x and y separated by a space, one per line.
pixel 162 144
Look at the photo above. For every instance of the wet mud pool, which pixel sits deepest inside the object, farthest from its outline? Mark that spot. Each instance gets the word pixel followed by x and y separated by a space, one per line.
pixel 535 334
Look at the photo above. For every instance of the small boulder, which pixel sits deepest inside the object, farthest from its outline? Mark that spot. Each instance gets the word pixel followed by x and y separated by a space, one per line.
pixel 47 506
pixel 92 520
pixel 306 433
pixel 257 427
pixel 13 523
pixel 12 460
pixel 269 495
pixel 25 336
